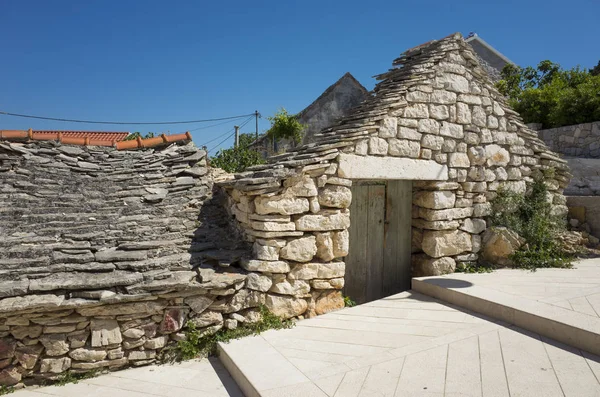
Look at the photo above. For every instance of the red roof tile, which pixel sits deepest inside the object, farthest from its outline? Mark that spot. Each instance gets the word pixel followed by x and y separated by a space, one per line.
pixel 30 135
pixel 94 135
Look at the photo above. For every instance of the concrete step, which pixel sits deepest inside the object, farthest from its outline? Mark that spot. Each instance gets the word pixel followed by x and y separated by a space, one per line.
pixel 567 326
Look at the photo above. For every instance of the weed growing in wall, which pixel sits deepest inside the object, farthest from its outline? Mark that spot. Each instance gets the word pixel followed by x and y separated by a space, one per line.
pixel 529 215
pixel 200 344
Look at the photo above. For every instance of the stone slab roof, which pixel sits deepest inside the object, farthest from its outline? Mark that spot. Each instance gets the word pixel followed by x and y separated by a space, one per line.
pixel 414 67
pixel 81 225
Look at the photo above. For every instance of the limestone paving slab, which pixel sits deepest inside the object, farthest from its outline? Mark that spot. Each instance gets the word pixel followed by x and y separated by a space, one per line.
pixel 195 378
pixel 562 304
pixel 433 354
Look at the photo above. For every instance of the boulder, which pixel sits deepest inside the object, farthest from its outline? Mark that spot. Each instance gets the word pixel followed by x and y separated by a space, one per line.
pixel 423 265
pixel 438 243
pixel 285 306
pixel 329 301
pixel 499 243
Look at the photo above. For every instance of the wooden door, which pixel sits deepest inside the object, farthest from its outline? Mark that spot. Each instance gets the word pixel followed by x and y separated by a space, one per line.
pixel 378 262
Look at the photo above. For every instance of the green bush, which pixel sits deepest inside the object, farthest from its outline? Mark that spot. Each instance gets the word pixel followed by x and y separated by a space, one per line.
pixel 530 217
pixel 551 95
pixel 285 126
pixel 237 159
pixel 201 344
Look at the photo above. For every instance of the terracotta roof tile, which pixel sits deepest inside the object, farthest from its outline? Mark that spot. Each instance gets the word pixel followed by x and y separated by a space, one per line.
pixel 95 135
pixel 30 135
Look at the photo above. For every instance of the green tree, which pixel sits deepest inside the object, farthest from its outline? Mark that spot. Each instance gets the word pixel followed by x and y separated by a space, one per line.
pixel 551 95
pixel 285 126
pixel 237 159
pixel 135 135
pixel 595 71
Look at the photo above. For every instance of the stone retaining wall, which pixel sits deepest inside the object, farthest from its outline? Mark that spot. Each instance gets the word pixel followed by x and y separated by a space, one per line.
pixel 579 140
pixel 105 255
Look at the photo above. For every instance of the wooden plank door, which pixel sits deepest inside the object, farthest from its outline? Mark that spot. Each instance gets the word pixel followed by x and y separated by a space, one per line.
pixel 378 261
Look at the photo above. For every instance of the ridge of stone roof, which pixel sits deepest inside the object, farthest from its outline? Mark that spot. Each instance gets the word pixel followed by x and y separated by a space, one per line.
pixel 414 67
pixel 346 76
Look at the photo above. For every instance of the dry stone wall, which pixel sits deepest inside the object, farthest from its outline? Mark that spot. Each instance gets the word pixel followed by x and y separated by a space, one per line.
pixel 105 255
pixel 579 140
pixel 436 104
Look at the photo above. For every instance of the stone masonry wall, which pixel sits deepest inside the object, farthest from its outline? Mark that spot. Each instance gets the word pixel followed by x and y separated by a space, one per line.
pixel 298 228
pixel 436 105
pixel 105 255
pixel 579 140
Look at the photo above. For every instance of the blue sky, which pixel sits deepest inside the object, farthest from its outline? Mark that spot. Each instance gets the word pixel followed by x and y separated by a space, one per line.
pixel 185 60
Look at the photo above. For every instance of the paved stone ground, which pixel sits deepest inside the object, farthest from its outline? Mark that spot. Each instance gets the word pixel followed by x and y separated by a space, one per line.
pixel 577 289
pixel 197 378
pixel 411 345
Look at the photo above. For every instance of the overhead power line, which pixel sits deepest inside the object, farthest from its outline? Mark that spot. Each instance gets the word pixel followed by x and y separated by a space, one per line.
pixel 229 136
pixel 122 122
pixel 204 127
pixel 227 133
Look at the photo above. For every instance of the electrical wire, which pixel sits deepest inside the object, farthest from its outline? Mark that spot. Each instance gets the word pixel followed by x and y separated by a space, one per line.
pixel 122 122
pixel 213 125
pixel 220 143
pixel 228 132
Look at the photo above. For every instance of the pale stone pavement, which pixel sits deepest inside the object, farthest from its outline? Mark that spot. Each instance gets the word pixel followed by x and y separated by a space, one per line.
pixel 196 378
pixel 411 345
pixel 576 289
pixel 404 345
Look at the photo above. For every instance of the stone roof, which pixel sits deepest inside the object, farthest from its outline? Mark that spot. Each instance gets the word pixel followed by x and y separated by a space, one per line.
pixel 414 67
pixel 81 225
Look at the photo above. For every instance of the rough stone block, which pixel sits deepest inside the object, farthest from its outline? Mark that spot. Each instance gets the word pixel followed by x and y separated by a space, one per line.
pixel 300 250
pixel 335 196
pixel 325 221
pixel 445 243
pixel 435 199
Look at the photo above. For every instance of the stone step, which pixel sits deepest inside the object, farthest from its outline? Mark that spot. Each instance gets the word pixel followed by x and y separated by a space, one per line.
pixel 257 366
pixel 567 326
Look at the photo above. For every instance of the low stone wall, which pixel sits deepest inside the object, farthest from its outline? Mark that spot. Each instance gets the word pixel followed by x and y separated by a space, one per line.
pixel 586 210
pixel 580 140
pixel 44 336
pixel 105 255
pixel 586 177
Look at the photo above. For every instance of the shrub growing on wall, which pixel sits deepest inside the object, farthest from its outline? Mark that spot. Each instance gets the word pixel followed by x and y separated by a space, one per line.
pixel 551 95
pixel 529 215
pixel 237 159
pixel 285 126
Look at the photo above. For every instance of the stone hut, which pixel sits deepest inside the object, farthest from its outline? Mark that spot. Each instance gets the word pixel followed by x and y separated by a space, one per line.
pixel 106 254
pixel 400 187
